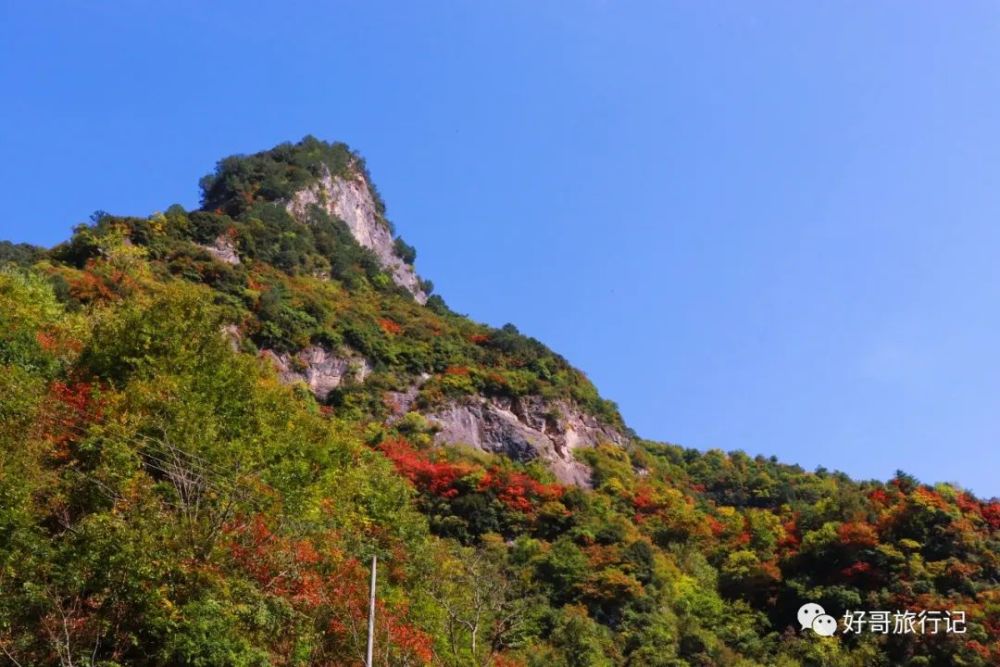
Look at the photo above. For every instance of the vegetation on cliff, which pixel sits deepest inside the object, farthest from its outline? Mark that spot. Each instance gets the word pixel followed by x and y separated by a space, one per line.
pixel 165 500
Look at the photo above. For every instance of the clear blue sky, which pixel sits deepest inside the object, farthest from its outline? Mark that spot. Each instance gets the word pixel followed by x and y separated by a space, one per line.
pixel 768 226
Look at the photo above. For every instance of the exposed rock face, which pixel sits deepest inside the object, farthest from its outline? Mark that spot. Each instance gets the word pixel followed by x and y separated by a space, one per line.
pixel 223 250
pixel 401 402
pixel 526 429
pixel 351 201
pixel 321 370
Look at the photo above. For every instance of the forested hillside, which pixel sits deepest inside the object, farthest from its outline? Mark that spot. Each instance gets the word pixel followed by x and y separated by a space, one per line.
pixel 210 420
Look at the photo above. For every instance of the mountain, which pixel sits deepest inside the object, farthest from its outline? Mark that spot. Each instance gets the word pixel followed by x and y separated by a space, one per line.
pixel 210 420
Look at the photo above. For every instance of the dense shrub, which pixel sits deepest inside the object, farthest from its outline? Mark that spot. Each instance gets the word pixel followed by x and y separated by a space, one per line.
pixel 20 254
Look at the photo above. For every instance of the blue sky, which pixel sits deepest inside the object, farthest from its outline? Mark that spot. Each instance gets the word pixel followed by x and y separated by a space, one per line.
pixel 767 226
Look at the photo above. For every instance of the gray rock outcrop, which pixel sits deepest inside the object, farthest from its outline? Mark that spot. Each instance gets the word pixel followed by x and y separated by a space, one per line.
pixel 320 369
pixel 351 201
pixel 526 429
pixel 224 250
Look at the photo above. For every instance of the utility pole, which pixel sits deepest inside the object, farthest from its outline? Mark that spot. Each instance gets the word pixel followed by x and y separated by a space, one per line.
pixel 371 615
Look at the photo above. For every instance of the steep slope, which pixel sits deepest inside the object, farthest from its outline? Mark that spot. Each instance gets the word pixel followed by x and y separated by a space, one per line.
pixel 350 199
pixel 325 189
pixel 211 419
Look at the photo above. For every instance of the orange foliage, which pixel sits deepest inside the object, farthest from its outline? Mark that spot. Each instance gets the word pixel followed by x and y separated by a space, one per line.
pixel 981 650
pixel 792 537
pixel 601 555
pixel 55 343
pixel 716 526
pixel 435 477
pixel 518 491
pixel 46 341
pixel 857 534
pixel 856 569
pixel 390 327
pixel 931 498
pixel 70 410
pixel 879 497
pixel 89 287
pixel 322 582
pixel 439 477
pixel 643 500
pixel 610 586
pixel 967 503
pixel 991 512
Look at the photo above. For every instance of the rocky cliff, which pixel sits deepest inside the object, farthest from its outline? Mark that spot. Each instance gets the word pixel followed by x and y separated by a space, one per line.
pixel 351 200
pixel 320 369
pixel 330 320
pixel 525 429
pixel 224 249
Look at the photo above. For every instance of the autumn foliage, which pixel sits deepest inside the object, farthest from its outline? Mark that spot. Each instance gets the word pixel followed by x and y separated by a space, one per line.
pixel 165 499
pixel 326 585
pixel 433 473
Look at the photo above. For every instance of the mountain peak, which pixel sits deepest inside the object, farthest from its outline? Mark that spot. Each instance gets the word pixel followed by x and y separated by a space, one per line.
pixel 312 180
pixel 351 199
